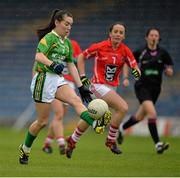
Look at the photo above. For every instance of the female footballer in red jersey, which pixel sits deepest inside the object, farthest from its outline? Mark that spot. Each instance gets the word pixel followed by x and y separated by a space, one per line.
pixel 110 56
pixel 56 129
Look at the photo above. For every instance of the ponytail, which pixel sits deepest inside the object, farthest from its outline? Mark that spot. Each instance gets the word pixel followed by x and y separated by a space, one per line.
pixel 56 15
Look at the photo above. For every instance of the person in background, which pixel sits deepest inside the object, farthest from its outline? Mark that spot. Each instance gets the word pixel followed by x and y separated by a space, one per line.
pixel 56 128
pixel 110 56
pixel 48 83
pixel 153 60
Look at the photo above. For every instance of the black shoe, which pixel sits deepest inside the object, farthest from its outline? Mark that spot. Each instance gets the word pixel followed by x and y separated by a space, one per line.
pixel 113 146
pixel 70 147
pixel 62 149
pixel 161 147
pixel 23 157
pixel 47 149
pixel 120 138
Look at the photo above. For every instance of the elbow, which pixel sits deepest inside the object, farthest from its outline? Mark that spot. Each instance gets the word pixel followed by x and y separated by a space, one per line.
pixel 81 58
pixel 37 57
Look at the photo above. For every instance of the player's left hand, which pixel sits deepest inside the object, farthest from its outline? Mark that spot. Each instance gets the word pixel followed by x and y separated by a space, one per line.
pixel 136 74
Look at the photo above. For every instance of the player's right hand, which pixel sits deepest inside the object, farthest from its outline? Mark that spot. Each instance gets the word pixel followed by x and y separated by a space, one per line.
pixel 85 94
pixel 85 81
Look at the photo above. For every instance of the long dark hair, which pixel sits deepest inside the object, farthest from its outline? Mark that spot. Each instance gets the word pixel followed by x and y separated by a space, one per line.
pixel 56 15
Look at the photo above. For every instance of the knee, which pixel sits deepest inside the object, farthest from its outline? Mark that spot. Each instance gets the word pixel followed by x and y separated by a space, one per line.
pixel 124 108
pixel 58 116
pixel 152 115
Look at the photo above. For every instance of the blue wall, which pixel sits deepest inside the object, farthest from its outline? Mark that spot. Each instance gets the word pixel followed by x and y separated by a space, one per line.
pixel 19 19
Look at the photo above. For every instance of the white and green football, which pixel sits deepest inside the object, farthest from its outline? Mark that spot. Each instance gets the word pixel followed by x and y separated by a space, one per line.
pixel 97 108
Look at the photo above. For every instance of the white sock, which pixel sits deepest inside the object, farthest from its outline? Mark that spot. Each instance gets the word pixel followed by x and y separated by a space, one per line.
pixel 26 149
pixel 77 134
pixel 158 144
pixel 60 141
pixel 112 134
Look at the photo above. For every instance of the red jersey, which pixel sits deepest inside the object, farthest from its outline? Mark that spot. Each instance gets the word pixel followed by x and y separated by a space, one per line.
pixel 76 51
pixel 109 62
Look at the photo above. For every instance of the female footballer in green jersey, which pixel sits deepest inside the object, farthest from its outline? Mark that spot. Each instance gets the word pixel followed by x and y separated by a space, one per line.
pixel 53 49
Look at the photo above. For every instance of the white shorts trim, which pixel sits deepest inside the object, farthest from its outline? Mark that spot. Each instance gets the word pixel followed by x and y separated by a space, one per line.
pixel 51 83
pixel 99 90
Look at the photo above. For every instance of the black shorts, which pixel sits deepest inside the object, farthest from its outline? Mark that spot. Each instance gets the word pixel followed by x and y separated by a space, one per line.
pixel 147 92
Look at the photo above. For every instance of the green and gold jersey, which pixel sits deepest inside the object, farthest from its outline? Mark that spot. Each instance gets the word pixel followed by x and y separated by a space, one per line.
pixel 55 49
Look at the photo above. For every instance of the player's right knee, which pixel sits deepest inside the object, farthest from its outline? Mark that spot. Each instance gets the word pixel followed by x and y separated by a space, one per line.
pixel 124 109
pixel 59 116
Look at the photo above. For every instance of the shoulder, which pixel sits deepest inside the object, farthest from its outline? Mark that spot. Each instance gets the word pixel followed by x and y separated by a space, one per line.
pixel 50 35
pixel 101 43
pixel 47 39
pixel 125 48
pixel 164 52
pixel 74 42
pixel 97 46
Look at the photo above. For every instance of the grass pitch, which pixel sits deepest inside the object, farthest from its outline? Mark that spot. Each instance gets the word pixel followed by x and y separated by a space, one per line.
pixel 90 159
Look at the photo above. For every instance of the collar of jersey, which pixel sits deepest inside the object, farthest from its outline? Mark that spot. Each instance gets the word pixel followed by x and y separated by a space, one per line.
pixel 61 40
pixel 157 48
pixel 109 42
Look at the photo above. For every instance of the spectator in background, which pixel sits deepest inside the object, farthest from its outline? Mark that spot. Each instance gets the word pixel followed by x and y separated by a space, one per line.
pixel 153 60
pixel 53 49
pixel 56 128
pixel 110 56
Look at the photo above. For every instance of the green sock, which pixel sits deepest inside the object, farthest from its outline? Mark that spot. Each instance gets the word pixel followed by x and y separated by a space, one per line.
pixel 86 117
pixel 29 139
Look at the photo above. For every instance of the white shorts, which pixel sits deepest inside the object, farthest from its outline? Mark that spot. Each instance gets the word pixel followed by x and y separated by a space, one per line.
pixel 44 86
pixel 99 90
pixel 70 83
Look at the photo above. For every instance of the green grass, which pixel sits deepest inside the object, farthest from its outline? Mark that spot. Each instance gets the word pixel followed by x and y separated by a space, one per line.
pixel 90 158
